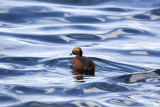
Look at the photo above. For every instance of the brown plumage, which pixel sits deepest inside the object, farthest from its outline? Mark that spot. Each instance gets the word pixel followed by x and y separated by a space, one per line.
pixel 81 63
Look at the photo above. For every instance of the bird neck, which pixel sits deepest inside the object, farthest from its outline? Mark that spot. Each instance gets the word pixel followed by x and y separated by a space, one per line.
pixel 79 55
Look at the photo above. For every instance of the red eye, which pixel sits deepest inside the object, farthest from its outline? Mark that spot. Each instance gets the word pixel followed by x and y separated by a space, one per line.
pixel 75 52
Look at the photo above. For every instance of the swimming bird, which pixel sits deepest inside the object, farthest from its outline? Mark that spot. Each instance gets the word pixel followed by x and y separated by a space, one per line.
pixel 81 63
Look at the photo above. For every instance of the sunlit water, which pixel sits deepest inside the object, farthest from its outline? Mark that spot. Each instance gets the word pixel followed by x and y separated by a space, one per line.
pixel 122 37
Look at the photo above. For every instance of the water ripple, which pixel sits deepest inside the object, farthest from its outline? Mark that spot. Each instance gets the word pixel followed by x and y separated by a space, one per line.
pixel 121 37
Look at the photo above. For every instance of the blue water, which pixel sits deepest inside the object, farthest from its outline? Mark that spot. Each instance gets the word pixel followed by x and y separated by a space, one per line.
pixel 122 37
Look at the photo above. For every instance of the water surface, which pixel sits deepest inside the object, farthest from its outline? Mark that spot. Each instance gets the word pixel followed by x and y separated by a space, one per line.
pixel 121 37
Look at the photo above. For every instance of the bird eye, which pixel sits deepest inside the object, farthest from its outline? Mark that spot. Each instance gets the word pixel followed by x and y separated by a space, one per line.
pixel 75 52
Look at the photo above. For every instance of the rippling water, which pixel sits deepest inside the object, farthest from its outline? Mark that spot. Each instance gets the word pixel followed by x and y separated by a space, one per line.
pixel 121 36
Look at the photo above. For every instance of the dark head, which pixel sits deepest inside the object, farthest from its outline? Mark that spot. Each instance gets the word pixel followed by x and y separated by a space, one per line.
pixel 77 51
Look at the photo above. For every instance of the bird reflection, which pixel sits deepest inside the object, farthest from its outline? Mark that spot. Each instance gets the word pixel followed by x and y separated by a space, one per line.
pixel 79 74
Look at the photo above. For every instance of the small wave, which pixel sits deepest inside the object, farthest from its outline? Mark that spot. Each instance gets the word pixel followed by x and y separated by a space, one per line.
pixel 139 77
pixel 83 19
pixel 73 103
pixel 156 12
pixel 7 99
pixel 78 2
pixel 20 60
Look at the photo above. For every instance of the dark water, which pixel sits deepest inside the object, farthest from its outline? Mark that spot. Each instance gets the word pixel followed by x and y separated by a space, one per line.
pixel 122 37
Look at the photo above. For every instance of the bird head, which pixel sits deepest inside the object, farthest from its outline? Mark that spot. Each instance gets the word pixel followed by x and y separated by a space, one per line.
pixel 77 51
